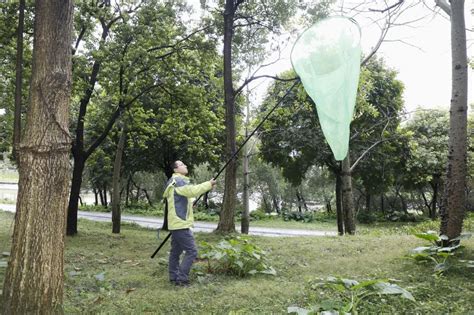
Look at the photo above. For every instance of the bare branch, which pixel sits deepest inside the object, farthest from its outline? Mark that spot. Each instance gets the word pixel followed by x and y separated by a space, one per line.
pixel 388 8
pixel 446 7
pixel 239 90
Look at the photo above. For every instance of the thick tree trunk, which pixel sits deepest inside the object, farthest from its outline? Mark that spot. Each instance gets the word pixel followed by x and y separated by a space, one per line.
pixel 116 215
pixel 455 189
pixel 34 277
pixel 339 210
pixel 18 79
pixel 347 198
pixel 76 183
pixel 226 219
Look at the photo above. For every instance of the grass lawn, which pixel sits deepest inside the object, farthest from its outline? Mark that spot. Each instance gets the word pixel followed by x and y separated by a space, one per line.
pixel 113 274
pixel 9 176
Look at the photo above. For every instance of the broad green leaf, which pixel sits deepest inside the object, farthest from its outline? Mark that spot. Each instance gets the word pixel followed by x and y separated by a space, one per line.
pixel 428 236
pixel 390 288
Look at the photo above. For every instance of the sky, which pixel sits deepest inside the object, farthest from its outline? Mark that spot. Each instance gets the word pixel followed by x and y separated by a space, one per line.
pixel 421 54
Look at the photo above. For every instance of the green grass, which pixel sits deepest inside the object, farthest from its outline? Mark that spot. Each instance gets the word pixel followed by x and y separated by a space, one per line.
pixel 135 284
pixel 9 176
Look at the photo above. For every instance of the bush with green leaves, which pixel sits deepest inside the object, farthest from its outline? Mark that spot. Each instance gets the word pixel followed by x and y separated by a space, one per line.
pixel 436 253
pixel 298 216
pixel 348 294
pixel 235 256
pixel 259 215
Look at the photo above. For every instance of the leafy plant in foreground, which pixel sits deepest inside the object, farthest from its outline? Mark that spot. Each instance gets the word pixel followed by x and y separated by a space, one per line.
pixel 435 253
pixel 349 294
pixel 235 256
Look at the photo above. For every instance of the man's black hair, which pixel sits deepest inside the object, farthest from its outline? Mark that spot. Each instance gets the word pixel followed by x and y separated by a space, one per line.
pixel 173 165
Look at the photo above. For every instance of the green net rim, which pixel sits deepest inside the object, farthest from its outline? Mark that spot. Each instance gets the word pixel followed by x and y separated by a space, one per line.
pixel 318 22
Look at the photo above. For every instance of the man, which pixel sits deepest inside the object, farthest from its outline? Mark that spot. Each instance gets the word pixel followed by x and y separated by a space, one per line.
pixel 179 195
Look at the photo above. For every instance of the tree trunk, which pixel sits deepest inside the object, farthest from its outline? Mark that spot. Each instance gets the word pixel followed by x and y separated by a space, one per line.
pixel 298 197
pixel 226 219
pixel 455 188
pixel 106 201
pixel 382 202
pixel 96 201
pixel 434 203
pixel 78 169
pixel 116 215
pixel 18 79
pixel 347 198
pixel 101 196
pixel 246 213
pixel 339 211
pixel 34 276
pixel 367 201
pixel 128 192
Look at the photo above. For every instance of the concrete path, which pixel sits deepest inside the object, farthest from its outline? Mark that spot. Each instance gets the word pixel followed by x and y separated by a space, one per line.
pixel 155 223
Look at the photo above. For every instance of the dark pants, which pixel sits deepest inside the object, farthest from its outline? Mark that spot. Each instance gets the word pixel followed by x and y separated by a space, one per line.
pixel 181 240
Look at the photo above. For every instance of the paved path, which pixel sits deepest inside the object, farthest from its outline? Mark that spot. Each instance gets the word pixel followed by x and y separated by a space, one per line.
pixel 155 222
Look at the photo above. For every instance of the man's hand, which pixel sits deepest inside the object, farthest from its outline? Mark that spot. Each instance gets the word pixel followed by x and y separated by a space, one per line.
pixel 213 182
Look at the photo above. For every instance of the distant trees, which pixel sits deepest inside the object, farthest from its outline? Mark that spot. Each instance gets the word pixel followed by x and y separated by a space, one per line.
pixel 292 138
pixel 146 57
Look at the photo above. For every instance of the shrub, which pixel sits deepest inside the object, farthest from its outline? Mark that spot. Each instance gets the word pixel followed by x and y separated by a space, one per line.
pixel 435 253
pixel 258 215
pixel 235 256
pixel 298 216
pixel 349 294
pixel 366 217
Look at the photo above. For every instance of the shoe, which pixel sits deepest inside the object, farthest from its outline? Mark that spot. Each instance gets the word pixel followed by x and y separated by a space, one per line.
pixel 183 283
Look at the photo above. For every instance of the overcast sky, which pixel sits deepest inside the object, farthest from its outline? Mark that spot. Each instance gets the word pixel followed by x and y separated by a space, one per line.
pixel 421 54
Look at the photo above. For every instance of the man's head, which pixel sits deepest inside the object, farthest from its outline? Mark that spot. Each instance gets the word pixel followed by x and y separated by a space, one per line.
pixel 179 167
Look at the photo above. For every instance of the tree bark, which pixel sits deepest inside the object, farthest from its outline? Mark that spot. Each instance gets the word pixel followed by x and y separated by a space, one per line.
pixel 18 79
pixel 455 189
pixel 77 172
pixel 116 215
pixel 347 198
pixel 339 211
pixel 246 213
pixel 226 219
pixel 34 277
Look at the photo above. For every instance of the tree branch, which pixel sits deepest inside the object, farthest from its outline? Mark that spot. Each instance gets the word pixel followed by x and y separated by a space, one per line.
pixel 446 7
pixel 113 119
pixel 239 90
pixel 387 8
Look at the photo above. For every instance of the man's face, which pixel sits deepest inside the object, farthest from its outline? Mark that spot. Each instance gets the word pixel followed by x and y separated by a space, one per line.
pixel 181 168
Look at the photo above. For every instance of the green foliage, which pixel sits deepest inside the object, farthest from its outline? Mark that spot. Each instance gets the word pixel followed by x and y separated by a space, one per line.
pixel 235 256
pixel 349 294
pixel 436 253
pixel 298 216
